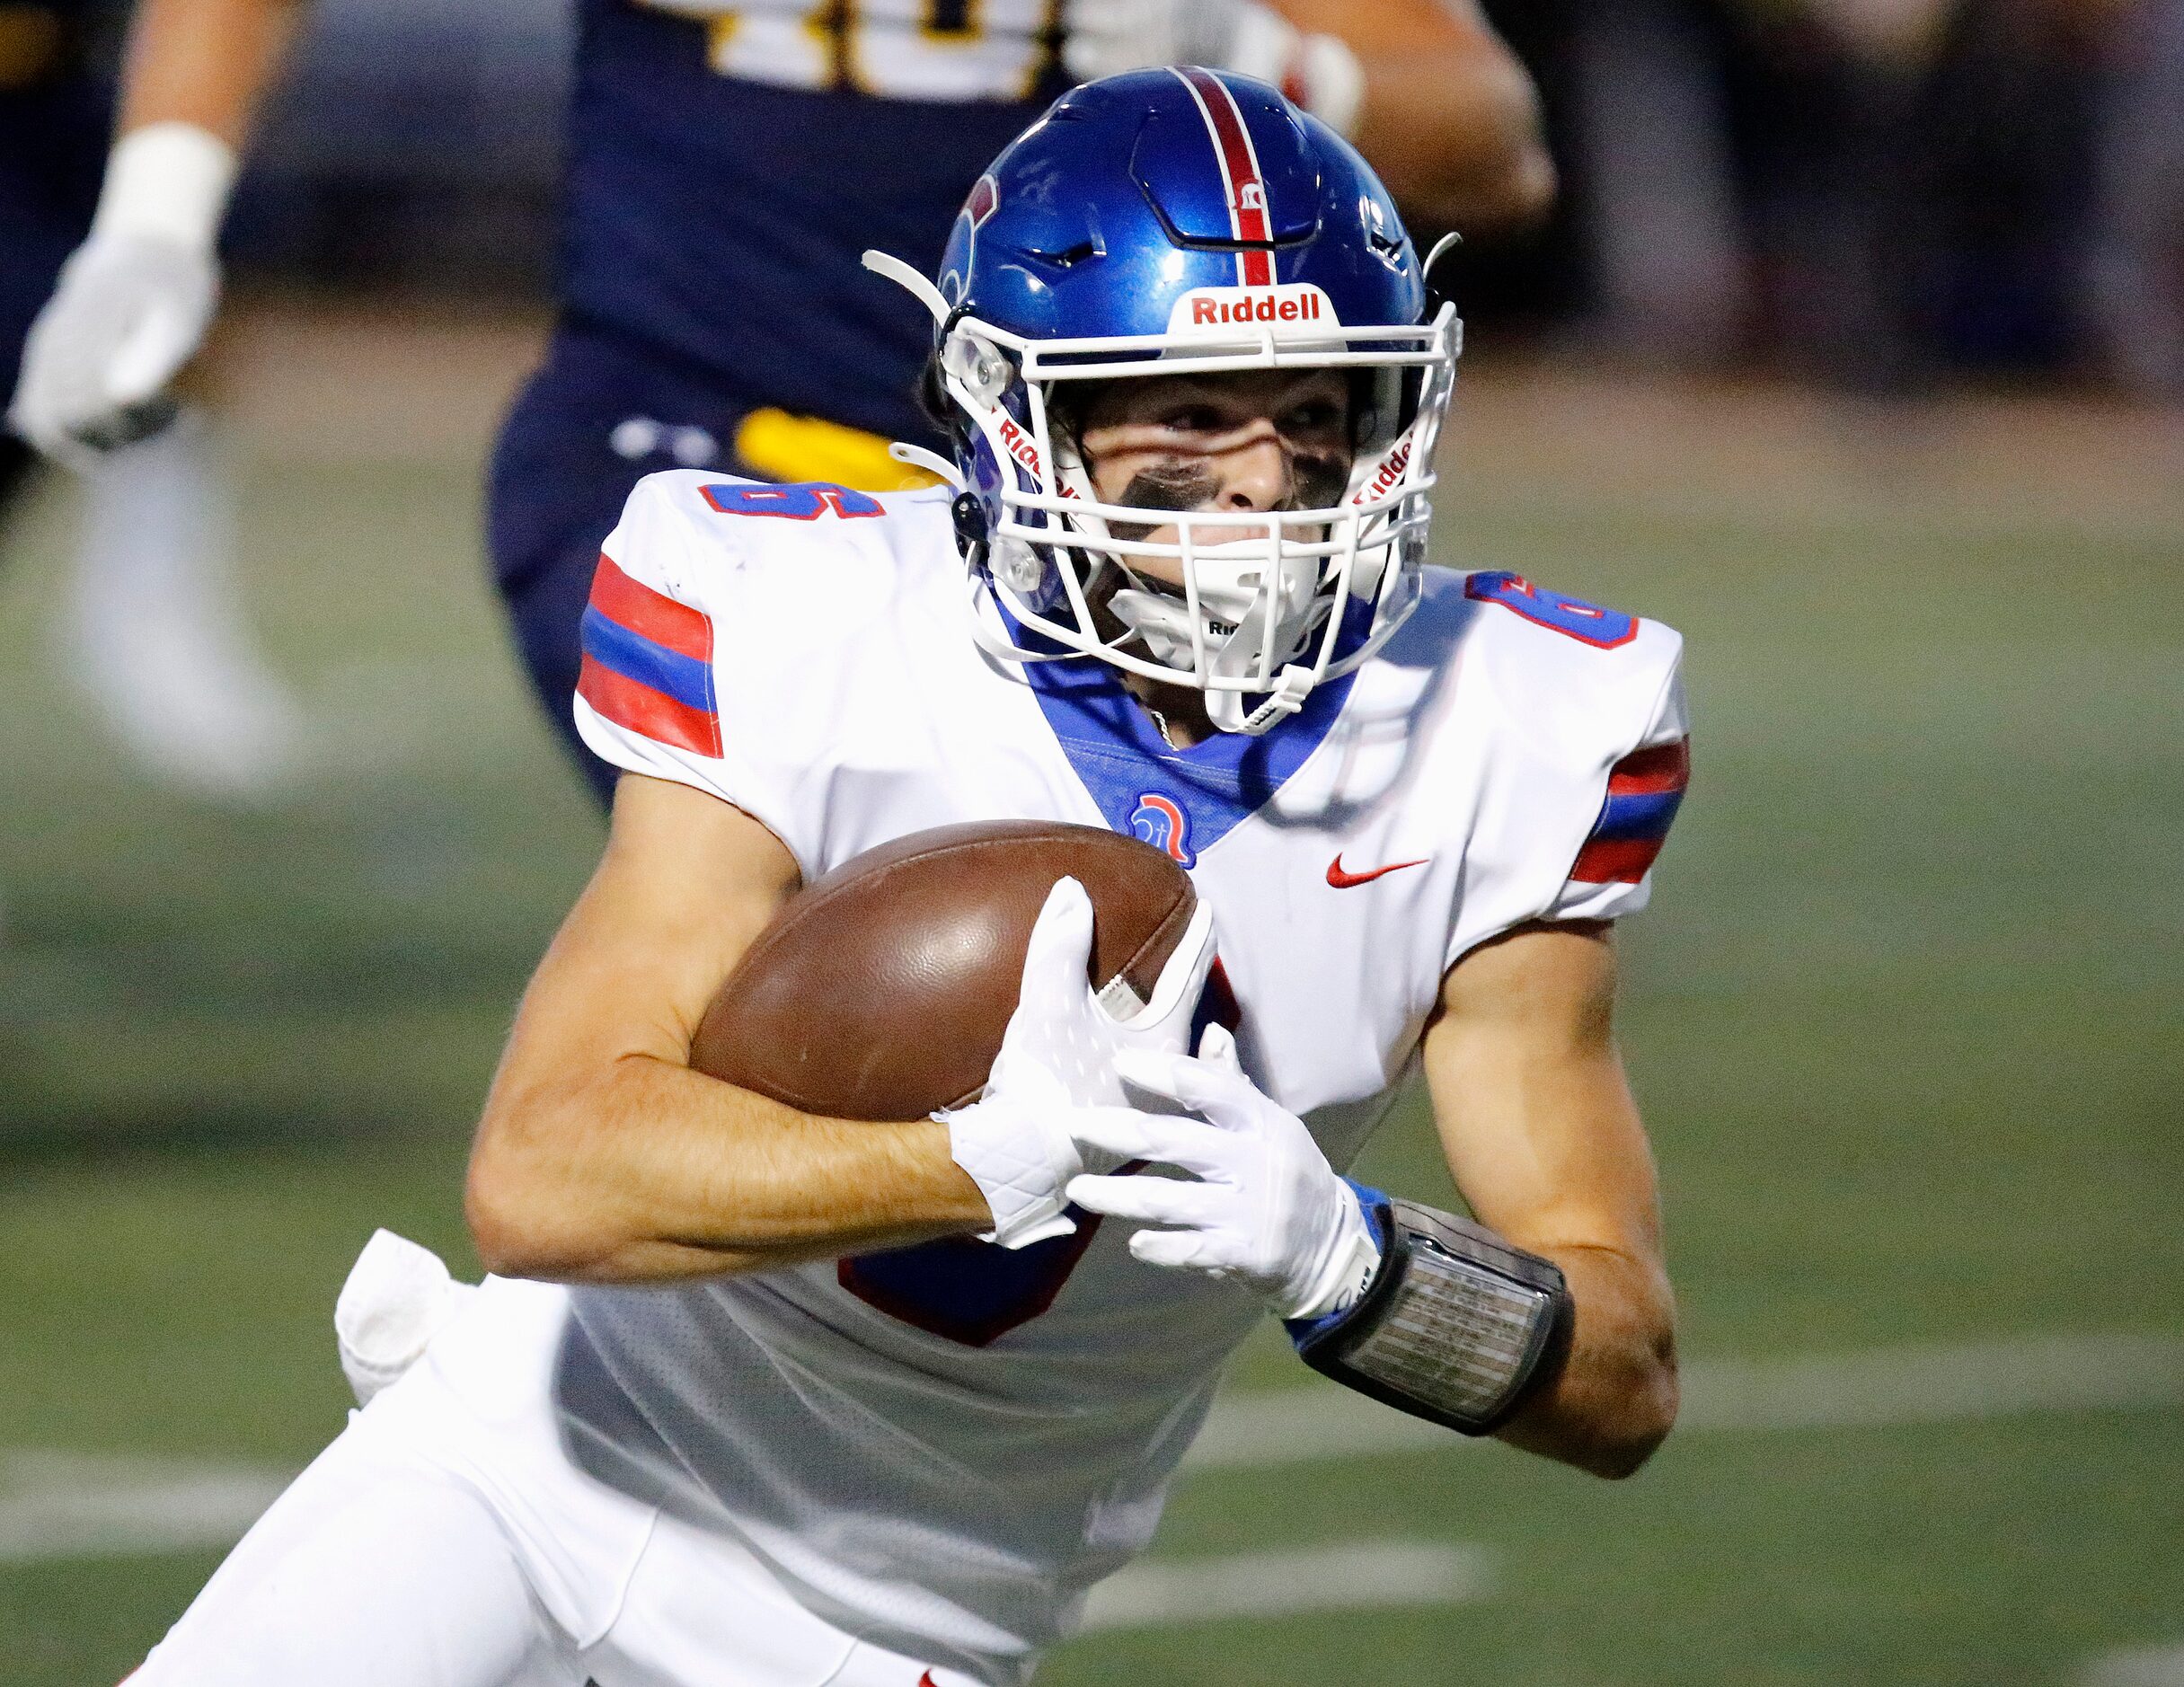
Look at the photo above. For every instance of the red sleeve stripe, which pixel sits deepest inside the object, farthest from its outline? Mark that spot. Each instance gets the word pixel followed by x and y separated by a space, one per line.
pixel 1616 861
pixel 1644 790
pixel 1662 768
pixel 648 663
pixel 631 703
pixel 650 615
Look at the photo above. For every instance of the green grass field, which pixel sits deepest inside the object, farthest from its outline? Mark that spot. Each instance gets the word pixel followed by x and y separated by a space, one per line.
pixel 1908 1019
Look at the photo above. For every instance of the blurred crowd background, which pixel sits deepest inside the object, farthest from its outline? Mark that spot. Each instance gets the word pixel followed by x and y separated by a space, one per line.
pixel 1880 193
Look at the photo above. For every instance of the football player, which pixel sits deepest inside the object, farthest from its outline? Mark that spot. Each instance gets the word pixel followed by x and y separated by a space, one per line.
pixel 727 164
pixel 763 1397
pixel 157 645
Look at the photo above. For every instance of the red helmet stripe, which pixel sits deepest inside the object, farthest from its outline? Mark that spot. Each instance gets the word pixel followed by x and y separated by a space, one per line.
pixel 1239 177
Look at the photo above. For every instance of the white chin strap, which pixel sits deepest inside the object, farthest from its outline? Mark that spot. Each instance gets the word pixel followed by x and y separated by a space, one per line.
pixel 1292 686
pixel 1233 622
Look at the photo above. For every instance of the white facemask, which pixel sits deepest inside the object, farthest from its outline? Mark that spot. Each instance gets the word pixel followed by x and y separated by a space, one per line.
pixel 1047 541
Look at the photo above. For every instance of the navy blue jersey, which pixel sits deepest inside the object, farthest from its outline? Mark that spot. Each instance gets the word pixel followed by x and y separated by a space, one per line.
pixel 726 170
pixel 54 111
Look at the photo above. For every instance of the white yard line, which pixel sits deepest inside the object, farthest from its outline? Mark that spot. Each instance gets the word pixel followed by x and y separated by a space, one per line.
pixel 1879 1386
pixel 1358 1576
pixel 59 1505
pixel 2136 1666
pixel 1938 1384
pixel 62 1505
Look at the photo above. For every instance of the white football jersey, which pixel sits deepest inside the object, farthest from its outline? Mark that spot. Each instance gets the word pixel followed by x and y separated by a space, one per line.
pixel 942 1448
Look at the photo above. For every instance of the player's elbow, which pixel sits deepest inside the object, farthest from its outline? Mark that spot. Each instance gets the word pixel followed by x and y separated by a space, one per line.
pixel 1634 1427
pixel 1467 152
pixel 1503 190
pixel 504 1224
pixel 1522 192
pixel 521 1219
pixel 498 1230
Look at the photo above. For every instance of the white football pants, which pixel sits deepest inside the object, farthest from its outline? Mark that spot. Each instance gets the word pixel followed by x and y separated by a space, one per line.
pixel 368 1571
pixel 443 1542
pixel 374 1571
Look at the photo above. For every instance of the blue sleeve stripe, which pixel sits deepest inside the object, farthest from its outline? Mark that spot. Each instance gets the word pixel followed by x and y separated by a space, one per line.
pixel 635 657
pixel 1635 814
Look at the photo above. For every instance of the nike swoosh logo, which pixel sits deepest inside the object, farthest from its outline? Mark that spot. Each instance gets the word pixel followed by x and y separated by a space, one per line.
pixel 1341 880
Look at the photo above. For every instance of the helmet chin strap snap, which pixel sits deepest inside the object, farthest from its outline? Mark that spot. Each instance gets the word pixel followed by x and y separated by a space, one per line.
pixel 1225 709
pixel 979 367
pixel 1017 566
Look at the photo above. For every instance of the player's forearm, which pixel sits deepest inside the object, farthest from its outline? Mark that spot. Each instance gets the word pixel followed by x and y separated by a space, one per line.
pixel 649 1172
pixel 1614 1398
pixel 1455 137
pixel 204 62
pixel 1449 117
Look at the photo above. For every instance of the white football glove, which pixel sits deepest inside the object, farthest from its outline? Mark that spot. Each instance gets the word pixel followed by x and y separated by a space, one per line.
pixel 1105 39
pixel 133 301
pixel 1267 1210
pixel 128 313
pixel 1058 1058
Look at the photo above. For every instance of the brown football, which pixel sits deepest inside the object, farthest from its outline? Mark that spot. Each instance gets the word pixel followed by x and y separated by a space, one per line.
pixel 882 989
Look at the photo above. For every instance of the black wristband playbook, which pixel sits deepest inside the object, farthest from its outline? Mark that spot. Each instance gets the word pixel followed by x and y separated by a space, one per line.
pixel 1457 1326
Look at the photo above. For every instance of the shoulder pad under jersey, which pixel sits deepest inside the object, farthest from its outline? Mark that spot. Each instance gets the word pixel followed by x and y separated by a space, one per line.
pixel 719 604
pixel 1590 756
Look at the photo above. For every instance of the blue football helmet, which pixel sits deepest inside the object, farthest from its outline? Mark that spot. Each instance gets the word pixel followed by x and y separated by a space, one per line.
pixel 1185 219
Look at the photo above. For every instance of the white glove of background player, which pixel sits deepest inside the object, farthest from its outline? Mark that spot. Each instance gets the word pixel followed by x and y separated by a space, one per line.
pixel 1267 1210
pixel 134 300
pixel 128 313
pixel 1056 1059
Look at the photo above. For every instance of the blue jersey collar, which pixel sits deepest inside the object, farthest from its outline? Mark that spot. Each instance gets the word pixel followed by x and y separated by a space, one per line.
pixel 1181 801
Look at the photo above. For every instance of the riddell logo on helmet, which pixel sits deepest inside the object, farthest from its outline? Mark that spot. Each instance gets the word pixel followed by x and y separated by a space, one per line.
pixel 1020 446
pixel 1265 308
pixel 1293 305
pixel 1391 472
pixel 1258 310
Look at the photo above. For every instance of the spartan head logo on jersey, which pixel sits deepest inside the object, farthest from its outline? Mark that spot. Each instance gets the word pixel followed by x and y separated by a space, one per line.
pixel 1165 824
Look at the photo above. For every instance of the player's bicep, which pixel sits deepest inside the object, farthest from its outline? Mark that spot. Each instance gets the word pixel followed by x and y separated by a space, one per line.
pixel 1530 1099
pixel 687 882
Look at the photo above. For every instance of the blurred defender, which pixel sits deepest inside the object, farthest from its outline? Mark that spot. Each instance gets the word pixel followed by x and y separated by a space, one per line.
pixel 726 166
pixel 873 1404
